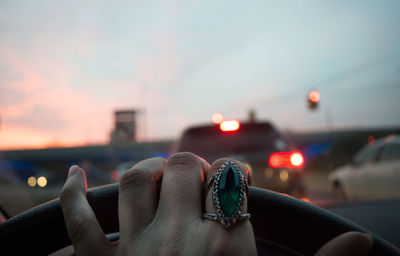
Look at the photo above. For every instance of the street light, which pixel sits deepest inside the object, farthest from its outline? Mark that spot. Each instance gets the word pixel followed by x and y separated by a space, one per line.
pixel 217 118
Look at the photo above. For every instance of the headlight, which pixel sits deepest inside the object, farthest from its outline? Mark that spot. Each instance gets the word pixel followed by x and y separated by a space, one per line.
pixel 42 181
pixel 284 175
pixel 269 172
pixel 31 181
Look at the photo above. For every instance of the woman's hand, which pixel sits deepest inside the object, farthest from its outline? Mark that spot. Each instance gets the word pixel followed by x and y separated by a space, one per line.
pixel 171 224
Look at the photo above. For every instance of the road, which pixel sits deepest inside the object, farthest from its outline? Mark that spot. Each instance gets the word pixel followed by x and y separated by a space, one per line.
pixel 15 199
pixel 318 187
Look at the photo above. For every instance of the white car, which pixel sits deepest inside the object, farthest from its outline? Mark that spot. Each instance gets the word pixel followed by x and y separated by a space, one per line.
pixel 374 172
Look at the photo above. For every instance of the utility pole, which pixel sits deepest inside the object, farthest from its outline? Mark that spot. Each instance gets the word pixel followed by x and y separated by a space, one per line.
pixel 329 119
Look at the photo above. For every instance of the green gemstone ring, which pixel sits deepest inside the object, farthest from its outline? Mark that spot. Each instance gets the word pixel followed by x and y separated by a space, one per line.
pixel 229 192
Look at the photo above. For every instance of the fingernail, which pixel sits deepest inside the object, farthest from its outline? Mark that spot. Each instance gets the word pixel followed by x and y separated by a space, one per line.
pixel 73 170
pixel 368 236
pixel 363 244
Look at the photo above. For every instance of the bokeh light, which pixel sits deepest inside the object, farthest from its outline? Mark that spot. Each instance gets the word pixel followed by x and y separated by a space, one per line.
pixel 42 181
pixel 31 181
pixel 284 175
pixel 296 159
pixel 217 118
pixel 314 96
pixel 229 126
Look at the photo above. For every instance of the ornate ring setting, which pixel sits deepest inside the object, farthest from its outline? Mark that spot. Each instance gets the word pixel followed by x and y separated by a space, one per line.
pixel 228 195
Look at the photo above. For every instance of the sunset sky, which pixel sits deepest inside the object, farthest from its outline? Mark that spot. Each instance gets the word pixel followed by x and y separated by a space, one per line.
pixel 65 67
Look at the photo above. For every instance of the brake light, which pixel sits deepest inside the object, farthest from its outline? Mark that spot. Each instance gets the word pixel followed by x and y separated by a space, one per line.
pixel 286 159
pixel 229 126
pixel 296 159
pixel 115 175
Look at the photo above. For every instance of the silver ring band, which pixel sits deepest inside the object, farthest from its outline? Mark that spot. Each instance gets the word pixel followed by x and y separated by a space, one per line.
pixel 213 216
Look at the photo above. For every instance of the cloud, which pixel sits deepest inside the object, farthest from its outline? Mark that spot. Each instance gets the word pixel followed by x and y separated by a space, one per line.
pixel 50 99
pixel 44 105
pixel 63 73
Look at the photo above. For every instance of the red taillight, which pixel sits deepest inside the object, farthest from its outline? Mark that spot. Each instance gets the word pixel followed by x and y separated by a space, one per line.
pixel 115 175
pixel 286 159
pixel 229 126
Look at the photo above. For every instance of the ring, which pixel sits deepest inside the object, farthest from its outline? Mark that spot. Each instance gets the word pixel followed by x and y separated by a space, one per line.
pixel 229 192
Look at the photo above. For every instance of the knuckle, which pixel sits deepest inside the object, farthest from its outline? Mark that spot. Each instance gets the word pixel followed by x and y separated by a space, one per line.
pixel 135 177
pixel 77 227
pixel 183 158
pixel 67 192
pixel 158 159
pixel 222 246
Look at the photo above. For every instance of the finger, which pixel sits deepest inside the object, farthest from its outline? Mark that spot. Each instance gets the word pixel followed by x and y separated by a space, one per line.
pixel 181 187
pixel 138 196
pixel 249 174
pixel 350 243
pixel 82 225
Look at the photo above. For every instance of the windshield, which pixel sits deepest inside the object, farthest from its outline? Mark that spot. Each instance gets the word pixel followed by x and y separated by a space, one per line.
pixel 105 84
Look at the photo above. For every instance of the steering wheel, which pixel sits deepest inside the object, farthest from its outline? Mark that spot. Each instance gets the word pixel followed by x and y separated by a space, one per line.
pixel 283 225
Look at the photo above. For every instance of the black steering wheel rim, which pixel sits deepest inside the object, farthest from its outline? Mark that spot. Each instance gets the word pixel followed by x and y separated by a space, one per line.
pixel 276 218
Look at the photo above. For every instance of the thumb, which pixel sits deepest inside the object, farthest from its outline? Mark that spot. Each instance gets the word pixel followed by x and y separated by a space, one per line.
pixel 81 223
pixel 350 243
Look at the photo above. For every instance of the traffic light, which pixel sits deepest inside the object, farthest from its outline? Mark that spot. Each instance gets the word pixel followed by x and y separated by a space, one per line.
pixel 313 99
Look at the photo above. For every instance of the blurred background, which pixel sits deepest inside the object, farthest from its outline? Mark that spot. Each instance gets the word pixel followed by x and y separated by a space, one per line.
pixel 106 84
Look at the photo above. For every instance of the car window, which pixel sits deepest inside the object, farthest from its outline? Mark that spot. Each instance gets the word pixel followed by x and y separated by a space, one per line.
pixel 390 152
pixel 367 155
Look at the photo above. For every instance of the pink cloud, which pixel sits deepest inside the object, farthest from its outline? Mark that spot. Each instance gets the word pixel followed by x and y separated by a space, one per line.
pixel 52 110
pixel 45 107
